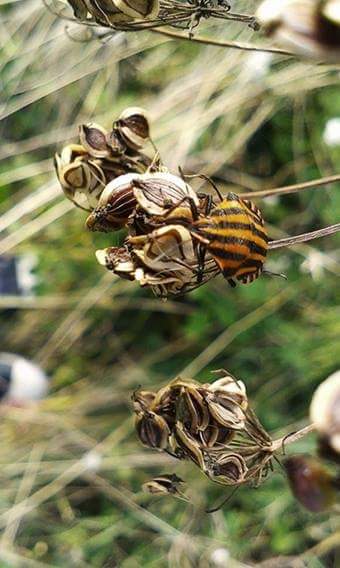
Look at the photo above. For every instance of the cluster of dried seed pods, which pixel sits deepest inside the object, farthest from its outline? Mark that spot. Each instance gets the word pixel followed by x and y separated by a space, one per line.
pixel 85 169
pixel 132 15
pixel 309 27
pixel 210 424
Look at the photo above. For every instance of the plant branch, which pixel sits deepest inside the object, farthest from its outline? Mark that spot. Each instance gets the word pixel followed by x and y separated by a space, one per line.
pixel 292 188
pixel 288 241
pixel 280 443
pixel 217 43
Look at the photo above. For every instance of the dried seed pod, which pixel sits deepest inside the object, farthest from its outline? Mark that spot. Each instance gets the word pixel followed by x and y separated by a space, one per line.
pixel 158 193
pixel 310 482
pixel 189 445
pixel 215 436
pixel 116 204
pixel 81 179
pixel 310 27
pixel 106 13
pixel 142 400
pixel 325 410
pixel 115 142
pixel 93 138
pixel 236 390
pixel 152 430
pixel 166 484
pixel 191 410
pixel 133 124
pixel 225 410
pixel 139 9
pixel 118 260
pixel 231 469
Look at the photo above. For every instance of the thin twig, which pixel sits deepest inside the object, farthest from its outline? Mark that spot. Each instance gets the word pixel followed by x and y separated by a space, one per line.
pixel 288 241
pixel 292 188
pixel 291 438
pixel 218 43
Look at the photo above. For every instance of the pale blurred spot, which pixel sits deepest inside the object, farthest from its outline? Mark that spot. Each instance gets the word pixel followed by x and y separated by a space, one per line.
pixel 92 461
pixel 220 557
pixel 331 133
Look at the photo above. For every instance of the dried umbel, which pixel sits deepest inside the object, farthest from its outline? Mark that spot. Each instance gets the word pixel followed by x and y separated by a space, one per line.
pixel 325 411
pixel 309 27
pixel 211 425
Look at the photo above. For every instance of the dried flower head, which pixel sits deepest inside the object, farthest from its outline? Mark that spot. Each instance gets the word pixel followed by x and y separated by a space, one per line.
pixel 325 411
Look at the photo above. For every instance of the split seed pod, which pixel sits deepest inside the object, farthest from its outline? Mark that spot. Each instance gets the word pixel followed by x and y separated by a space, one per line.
pixel 310 27
pixel 192 410
pixel 133 124
pixel 106 13
pixel 225 410
pixel 152 430
pixel 231 469
pixel 325 411
pixel 118 260
pixel 166 484
pixel 189 445
pixel 93 138
pixel 310 482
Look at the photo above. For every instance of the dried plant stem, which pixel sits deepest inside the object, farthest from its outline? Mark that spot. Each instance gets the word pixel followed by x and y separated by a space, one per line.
pixel 304 237
pixel 280 443
pixel 217 43
pixel 292 188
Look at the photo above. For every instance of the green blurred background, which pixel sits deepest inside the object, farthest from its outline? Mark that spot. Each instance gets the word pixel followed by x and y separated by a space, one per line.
pixel 71 469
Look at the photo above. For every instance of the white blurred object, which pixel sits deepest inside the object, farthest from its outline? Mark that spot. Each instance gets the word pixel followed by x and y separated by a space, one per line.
pixel 16 275
pixel 92 461
pixel 220 557
pixel 257 65
pixel 325 410
pixel 331 133
pixel 21 381
pixel 317 262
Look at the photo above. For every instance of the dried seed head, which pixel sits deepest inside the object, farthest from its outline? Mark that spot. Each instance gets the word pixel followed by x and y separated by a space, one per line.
pixel 231 469
pixel 225 411
pixel 325 410
pixel 116 204
pixel 310 482
pixel 93 138
pixel 166 484
pixel 152 430
pixel 235 390
pixel 133 124
pixel 310 27
pixel 118 260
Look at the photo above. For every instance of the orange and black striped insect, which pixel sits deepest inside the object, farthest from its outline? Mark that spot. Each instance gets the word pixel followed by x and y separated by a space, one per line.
pixel 234 234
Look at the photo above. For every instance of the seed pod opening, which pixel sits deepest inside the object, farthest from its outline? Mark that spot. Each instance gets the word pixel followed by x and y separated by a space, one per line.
pixel 133 127
pixel 138 9
pixel 152 430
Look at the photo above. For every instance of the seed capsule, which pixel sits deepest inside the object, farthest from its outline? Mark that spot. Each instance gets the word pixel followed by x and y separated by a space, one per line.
pixel 225 410
pixel 133 126
pixel 310 27
pixel 325 410
pixel 118 260
pixel 93 138
pixel 166 484
pixel 79 8
pixel 231 469
pixel 152 430
pixel 189 445
pixel 138 9
pixel 105 12
pixel 310 482
pixel 192 410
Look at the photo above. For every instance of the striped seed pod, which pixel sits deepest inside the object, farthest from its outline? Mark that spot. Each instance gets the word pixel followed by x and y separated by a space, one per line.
pixel 93 138
pixel 81 179
pixel 189 445
pixel 138 9
pixel 133 127
pixel 234 234
pixel 152 430
pixel 106 13
pixel 309 27
pixel 191 410
pixel 229 469
pixel 166 484
pixel 115 206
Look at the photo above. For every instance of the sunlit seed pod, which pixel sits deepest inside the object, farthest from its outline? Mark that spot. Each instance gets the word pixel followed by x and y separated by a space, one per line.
pixel 152 430
pixel 133 126
pixel 309 27
pixel 236 390
pixel 225 411
pixel 118 260
pixel 166 484
pixel 189 445
pixel 325 410
pixel 229 468
pixel 116 204
pixel 158 193
pixel 142 400
pixel 310 482
pixel 79 8
pixel 93 138
pixel 106 13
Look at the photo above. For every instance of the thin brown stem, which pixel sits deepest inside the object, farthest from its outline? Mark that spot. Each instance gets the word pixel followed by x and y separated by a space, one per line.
pixel 291 438
pixel 289 241
pixel 292 188
pixel 218 43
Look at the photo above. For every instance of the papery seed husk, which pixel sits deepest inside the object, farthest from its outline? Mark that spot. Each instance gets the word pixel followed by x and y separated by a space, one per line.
pixel 140 9
pixel 152 430
pixel 133 126
pixel 106 13
pixel 231 468
pixel 93 138
pixel 118 260
pixel 225 411
pixel 189 445
pixel 115 142
pixel 191 410
pixel 157 192
pixel 79 8
pixel 163 485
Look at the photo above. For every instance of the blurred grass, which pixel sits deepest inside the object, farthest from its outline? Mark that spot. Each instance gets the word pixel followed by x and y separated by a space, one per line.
pixel 71 470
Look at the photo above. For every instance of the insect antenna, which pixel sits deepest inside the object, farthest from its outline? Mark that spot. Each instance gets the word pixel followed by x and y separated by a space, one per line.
pixel 202 176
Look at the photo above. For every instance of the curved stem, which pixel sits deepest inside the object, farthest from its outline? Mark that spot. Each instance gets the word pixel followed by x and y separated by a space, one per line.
pixel 217 43
pixel 292 188
pixel 280 443
pixel 288 241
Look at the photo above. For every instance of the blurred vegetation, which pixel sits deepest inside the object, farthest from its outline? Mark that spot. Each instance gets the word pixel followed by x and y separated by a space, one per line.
pixel 72 469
